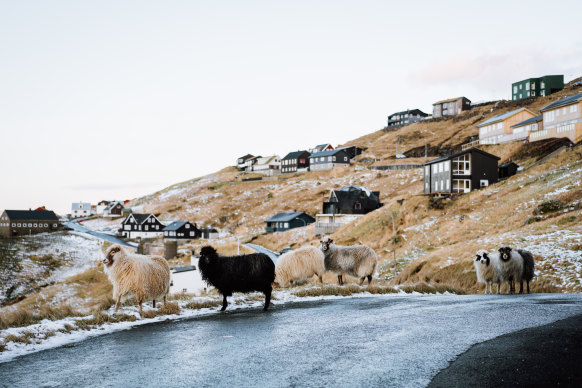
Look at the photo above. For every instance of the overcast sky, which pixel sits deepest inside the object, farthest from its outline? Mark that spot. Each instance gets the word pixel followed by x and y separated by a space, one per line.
pixel 118 99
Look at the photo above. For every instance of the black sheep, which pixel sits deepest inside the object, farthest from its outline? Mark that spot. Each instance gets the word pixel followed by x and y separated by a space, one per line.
pixel 528 269
pixel 246 273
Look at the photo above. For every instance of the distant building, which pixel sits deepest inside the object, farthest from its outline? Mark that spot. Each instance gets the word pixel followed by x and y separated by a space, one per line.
pixel 406 117
pixel 244 163
pixel 352 151
pixel 295 162
pixel 328 160
pixel 114 209
pixel 523 130
pixel 141 225
pixel 14 223
pixel 268 165
pixel 536 87
pixel 507 169
pixel 461 172
pixel 288 220
pixel 497 129
pixel 209 233
pixel 450 107
pixel 321 148
pixel 182 230
pixel 80 209
pixel 562 118
pixel 344 206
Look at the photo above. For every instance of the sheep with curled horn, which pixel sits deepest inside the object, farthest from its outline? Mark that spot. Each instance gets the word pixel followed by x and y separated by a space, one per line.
pixel 358 260
pixel 143 277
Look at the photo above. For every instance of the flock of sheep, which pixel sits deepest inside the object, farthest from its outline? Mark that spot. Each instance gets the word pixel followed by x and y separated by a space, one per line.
pixel 148 277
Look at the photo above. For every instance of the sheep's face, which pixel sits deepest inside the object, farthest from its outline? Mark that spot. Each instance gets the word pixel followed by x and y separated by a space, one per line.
pixel 325 243
pixel 478 258
pixel 110 256
pixel 485 261
pixel 206 253
pixel 505 253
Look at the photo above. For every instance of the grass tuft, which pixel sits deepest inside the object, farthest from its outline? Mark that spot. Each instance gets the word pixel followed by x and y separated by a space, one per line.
pixel 206 304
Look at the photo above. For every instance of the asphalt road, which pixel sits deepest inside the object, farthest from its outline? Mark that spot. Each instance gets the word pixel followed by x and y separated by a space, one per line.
pixel 388 341
pixel 103 236
pixel 273 255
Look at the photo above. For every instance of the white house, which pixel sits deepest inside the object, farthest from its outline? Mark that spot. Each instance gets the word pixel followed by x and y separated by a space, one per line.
pixel 268 165
pixel 80 209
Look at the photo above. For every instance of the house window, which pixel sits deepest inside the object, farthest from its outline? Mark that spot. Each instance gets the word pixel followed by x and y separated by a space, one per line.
pixel 549 116
pixel 448 184
pixel 345 158
pixel 426 170
pixel 533 86
pixel 500 126
pixel 447 164
pixel 440 167
pixel 333 158
pixel 442 185
pixel 19 225
pixel 286 225
pixel 30 225
pixel 358 206
pixel 461 185
pixel 436 186
pixel 191 234
pixel 527 86
pixel 462 165
pixel 146 227
pixel 35 225
pixel 187 226
pixel 54 225
pixel 434 168
pixel 573 108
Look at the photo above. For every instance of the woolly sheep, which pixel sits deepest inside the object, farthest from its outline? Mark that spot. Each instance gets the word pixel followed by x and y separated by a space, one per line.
pixel 511 267
pixel 299 264
pixel 487 269
pixel 246 273
pixel 140 276
pixel 358 260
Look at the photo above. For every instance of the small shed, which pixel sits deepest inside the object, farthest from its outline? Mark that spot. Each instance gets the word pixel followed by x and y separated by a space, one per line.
pixel 507 169
pixel 288 220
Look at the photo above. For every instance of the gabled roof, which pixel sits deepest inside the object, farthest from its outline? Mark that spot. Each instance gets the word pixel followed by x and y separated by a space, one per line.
pixel 503 116
pixel 27 215
pixel 409 111
pixel 507 164
pixel 140 218
pixel 247 156
pixel 81 206
pixel 266 159
pixel 294 155
pixel 209 230
pixel 564 101
pixel 462 153
pixel 285 217
pixel 450 100
pixel 528 121
pixel 177 225
pixel 326 153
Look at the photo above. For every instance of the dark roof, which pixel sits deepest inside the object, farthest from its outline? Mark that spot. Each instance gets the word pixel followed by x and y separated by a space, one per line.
pixel 450 100
pixel 294 155
pixel 462 153
pixel 564 101
pixel 326 153
pixel 184 269
pixel 31 215
pixel 500 117
pixel 175 225
pixel 285 217
pixel 247 156
pixel 409 111
pixel 507 164
pixel 140 218
pixel 209 230
pixel 528 121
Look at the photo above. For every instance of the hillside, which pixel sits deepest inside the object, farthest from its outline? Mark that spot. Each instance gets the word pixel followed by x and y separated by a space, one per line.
pixel 433 245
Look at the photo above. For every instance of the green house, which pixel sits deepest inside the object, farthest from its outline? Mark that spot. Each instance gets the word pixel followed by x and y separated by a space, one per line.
pixel 536 87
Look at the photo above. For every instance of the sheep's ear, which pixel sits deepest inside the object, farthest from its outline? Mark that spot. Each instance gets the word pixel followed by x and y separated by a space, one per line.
pixel 112 252
pixel 477 258
pixel 500 250
pixel 508 249
pixel 329 241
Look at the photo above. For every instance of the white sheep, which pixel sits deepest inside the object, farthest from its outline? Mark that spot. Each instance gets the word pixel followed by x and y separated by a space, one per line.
pixel 358 260
pixel 140 276
pixel 298 265
pixel 511 267
pixel 487 269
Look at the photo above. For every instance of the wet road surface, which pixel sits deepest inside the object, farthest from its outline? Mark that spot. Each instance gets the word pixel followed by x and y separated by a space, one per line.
pixel 399 341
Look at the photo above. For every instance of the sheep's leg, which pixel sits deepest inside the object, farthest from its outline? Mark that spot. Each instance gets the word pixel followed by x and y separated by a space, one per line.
pixel 340 280
pixel 369 279
pixel 521 287
pixel 527 286
pixel 117 302
pixel 362 280
pixel 164 300
pixel 320 278
pixel 267 299
pixel 140 311
pixel 224 303
pixel 154 303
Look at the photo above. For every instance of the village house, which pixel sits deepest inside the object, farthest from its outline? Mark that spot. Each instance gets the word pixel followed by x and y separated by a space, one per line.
pixel 141 226
pixel 14 223
pixel 562 118
pixel 209 233
pixel 80 209
pixel 183 230
pixel 321 148
pixel 295 162
pixel 344 206
pixel 268 165
pixel 241 163
pixel 522 131
pixel 352 151
pixel 406 117
pixel 114 209
pixel 288 220
pixel 461 172
pixel 328 160
pixel 497 129
pixel 536 87
pixel 450 107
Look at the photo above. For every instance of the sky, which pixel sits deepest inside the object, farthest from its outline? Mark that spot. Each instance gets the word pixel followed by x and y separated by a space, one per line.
pixel 119 99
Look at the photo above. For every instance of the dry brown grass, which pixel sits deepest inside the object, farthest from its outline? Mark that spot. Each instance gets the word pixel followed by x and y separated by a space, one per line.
pixel 27 316
pixel 206 304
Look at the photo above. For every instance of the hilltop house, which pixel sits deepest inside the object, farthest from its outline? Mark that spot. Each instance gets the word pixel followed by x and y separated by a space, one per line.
pixel 461 172
pixel 113 209
pixel 410 116
pixel 184 230
pixel 15 223
pixel 327 160
pixel 241 162
pixel 269 165
pixel 80 209
pixel 497 129
pixel 352 151
pixel 344 206
pixel 141 226
pixel 562 118
pixel 507 169
pixel 450 107
pixel 295 162
pixel 289 220
pixel 321 148
pixel 534 87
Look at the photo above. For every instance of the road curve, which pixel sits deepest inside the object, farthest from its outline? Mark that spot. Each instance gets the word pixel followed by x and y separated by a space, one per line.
pixel 377 341
pixel 273 255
